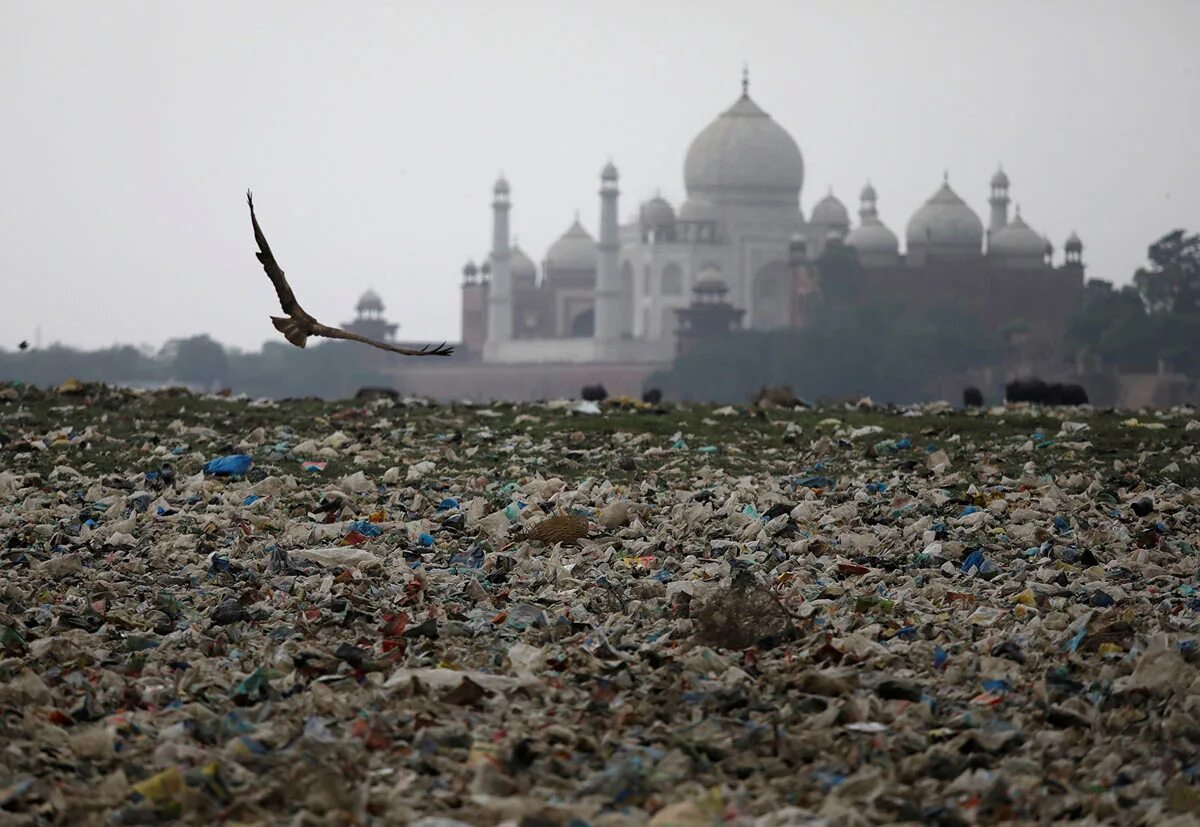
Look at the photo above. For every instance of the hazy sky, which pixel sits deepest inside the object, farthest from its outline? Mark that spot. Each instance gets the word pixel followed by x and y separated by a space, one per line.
pixel 372 133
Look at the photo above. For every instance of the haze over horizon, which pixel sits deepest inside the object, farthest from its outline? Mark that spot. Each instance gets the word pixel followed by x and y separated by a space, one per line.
pixel 372 133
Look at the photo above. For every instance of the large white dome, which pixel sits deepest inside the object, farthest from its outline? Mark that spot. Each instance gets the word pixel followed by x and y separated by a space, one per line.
pixel 744 156
pixel 575 250
pixel 946 221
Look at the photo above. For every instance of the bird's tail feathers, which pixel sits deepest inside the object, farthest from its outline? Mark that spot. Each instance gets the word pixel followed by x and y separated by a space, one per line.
pixel 291 329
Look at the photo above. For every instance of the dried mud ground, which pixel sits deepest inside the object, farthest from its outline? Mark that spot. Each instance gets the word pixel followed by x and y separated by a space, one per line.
pixel 837 616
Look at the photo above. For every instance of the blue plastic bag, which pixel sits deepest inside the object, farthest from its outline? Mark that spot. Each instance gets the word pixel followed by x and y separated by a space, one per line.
pixel 232 465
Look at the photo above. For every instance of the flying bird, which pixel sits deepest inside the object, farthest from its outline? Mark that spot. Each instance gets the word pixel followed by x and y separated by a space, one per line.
pixel 23 346
pixel 298 325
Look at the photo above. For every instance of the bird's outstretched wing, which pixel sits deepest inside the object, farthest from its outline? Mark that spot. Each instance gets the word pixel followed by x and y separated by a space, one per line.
pixel 287 299
pixel 328 332
pixel 300 325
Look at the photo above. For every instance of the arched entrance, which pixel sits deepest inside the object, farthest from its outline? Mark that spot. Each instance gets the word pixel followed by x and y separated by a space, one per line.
pixel 583 326
pixel 771 299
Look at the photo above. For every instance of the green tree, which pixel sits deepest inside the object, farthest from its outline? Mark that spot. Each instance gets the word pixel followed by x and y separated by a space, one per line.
pixel 57 363
pixel 840 277
pixel 1171 284
pixel 1157 318
pixel 201 360
pixel 879 353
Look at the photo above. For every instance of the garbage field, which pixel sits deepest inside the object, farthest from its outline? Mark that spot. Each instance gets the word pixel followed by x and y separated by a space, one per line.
pixel 220 610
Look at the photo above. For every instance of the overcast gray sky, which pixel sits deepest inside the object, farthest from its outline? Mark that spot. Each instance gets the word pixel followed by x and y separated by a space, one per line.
pixel 372 132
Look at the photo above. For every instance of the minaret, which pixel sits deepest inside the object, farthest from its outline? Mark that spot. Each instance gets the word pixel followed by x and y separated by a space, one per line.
pixel 867 210
pixel 608 312
pixel 999 201
pixel 1074 251
pixel 474 310
pixel 499 310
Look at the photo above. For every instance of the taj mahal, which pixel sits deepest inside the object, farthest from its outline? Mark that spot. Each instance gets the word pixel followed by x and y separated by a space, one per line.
pixel 739 244
pixel 741 229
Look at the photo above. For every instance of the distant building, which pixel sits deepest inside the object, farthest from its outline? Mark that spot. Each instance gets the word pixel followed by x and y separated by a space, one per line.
pixel 617 299
pixel 370 321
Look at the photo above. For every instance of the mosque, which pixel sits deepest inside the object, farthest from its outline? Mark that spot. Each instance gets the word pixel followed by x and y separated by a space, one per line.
pixel 741 234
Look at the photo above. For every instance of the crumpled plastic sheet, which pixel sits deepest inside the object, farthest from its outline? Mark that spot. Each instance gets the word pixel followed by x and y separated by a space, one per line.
pixel 848 615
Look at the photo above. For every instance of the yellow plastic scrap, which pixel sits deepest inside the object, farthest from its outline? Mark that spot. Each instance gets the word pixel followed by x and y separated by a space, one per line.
pixel 1110 649
pixel 163 788
pixel 1134 422
pixel 214 784
pixel 483 751
pixel 1022 612
pixel 1026 598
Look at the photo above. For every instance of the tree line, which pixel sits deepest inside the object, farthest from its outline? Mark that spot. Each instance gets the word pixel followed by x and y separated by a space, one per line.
pixel 858 346
pixel 853 346
pixel 279 370
pixel 1154 320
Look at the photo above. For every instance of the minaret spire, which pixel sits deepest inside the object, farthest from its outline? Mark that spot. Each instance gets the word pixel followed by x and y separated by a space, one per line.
pixel 607 318
pixel 499 303
pixel 999 201
pixel 745 80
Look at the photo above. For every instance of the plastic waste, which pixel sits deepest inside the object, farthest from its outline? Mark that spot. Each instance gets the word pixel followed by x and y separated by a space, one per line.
pixel 821 621
pixel 227 466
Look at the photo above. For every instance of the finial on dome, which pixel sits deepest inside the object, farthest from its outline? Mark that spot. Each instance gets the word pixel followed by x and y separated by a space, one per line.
pixel 946 176
pixel 745 79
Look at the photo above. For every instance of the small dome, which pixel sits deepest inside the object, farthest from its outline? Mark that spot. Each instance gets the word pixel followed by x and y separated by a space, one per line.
pixel 657 212
pixel 369 301
pixel 574 250
pixel 1016 239
pixel 830 212
pixel 501 187
pixel 470 270
pixel 1000 179
pixel 872 236
pixel 712 286
pixel 868 193
pixel 744 153
pixel 696 209
pixel 609 173
pixel 945 221
pixel 1073 245
pixel 521 266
